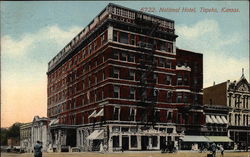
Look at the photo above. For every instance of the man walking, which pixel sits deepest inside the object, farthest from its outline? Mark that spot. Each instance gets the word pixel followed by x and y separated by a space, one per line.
pixel 38 149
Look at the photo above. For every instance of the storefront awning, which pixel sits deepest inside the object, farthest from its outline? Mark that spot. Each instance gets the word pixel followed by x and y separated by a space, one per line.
pixel 219 120
pixel 208 119
pixel 219 139
pixel 195 139
pixel 224 119
pixel 100 113
pixel 92 114
pixel 54 121
pixel 214 119
pixel 96 135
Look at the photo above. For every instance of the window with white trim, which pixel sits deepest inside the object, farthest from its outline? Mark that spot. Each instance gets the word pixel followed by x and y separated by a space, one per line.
pixel 123 57
pixel 116 93
pixel 131 74
pixel 132 93
pixel 116 114
pixel 116 55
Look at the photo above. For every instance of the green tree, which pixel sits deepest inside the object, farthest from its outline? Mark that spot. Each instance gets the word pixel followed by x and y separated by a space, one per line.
pixel 3 140
pixel 14 131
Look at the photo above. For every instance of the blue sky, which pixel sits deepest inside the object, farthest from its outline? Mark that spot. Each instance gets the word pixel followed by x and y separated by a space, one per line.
pixel 34 32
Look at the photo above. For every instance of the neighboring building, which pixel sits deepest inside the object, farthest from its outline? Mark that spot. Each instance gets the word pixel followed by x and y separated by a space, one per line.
pixel 13 142
pixel 236 96
pixel 122 83
pixel 25 137
pixel 39 132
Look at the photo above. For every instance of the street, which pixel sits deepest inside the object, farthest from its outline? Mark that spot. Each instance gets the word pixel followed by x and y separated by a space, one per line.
pixel 130 154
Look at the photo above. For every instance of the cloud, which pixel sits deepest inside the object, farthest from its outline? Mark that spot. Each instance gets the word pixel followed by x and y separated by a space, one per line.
pixel 24 82
pixel 16 47
pixel 221 61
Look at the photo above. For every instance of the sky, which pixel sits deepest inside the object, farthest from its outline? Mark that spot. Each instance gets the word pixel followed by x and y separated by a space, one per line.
pixel 32 33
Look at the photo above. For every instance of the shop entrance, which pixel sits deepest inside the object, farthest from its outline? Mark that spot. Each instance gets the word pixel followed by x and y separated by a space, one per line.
pixel 125 143
pixel 144 142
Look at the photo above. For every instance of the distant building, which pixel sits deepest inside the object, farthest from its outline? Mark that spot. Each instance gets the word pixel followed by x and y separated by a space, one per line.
pixel 122 83
pixel 236 96
pixel 25 137
pixel 39 132
pixel 13 142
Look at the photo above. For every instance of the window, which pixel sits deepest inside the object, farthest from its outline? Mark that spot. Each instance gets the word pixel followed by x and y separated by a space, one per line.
pixel 116 55
pixel 161 62
pixel 90 49
pixel 131 75
pixel 132 114
pixel 155 78
pixel 163 46
pixel 154 141
pixel 179 79
pixel 179 97
pixel 230 99
pixel 103 39
pixel 169 115
pixel 168 80
pixel 132 93
pixel 131 58
pixel 103 75
pixel 169 96
pixel 95 45
pixel 185 98
pixel 170 47
pixel 115 141
pixel 132 39
pixel 157 116
pixel 116 113
pixel 168 64
pixel 116 73
pixel 115 36
pixel 186 82
pixel 133 141
pixel 116 91
pixel 124 57
pixel 229 118
pixel 235 119
pixel 123 37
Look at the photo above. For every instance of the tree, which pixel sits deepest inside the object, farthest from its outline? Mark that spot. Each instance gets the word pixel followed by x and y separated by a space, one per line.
pixel 3 140
pixel 14 131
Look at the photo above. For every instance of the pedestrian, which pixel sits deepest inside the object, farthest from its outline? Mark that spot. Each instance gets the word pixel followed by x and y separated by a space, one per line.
pixel 213 147
pixel 38 149
pixel 221 150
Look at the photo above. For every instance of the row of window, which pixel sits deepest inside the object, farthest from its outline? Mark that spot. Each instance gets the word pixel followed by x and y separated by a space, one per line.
pixel 239 101
pixel 138 40
pixel 239 119
pixel 87 50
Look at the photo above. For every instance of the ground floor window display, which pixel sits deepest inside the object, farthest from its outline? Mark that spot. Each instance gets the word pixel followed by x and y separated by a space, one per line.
pixel 116 137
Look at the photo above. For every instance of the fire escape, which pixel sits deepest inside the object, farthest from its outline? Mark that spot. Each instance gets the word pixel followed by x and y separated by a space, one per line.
pixel 146 67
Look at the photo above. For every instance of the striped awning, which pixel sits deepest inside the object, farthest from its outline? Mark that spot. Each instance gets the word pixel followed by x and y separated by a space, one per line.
pixel 224 119
pixel 219 120
pixel 214 119
pixel 208 119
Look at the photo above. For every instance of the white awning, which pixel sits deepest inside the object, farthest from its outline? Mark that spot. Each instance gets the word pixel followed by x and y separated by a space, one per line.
pixel 208 119
pixel 194 139
pixel 54 121
pixel 219 120
pixel 224 119
pixel 92 114
pixel 100 113
pixel 96 135
pixel 214 119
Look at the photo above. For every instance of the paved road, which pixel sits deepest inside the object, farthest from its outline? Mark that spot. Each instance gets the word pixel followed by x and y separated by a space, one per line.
pixel 130 154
